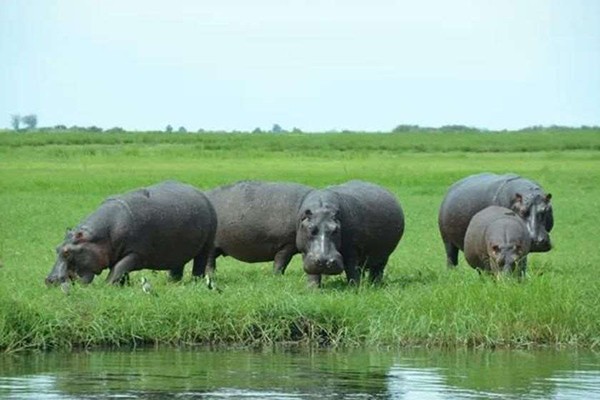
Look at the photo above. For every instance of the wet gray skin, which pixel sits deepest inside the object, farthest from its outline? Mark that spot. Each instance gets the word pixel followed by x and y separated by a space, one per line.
pixel 160 227
pixel 472 194
pixel 497 241
pixel 353 227
pixel 257 222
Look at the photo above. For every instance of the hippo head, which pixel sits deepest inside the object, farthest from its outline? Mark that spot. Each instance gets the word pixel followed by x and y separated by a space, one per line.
pixel 536 211
pixel 504 257
pixel 77 256
pixel 319 239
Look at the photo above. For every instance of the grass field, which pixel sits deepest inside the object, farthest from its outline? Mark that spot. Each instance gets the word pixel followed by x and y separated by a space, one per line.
pixel 50 181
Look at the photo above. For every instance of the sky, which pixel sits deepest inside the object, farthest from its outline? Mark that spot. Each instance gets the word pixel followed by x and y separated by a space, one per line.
pixel 315 65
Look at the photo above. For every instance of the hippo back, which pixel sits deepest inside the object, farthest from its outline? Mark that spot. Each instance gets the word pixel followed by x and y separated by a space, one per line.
pixel 256 219
pixel 166 224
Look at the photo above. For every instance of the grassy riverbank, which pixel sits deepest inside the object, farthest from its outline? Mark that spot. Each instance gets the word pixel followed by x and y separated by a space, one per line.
pixel 50 181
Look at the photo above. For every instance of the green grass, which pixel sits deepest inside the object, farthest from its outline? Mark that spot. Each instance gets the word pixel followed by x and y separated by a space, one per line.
pixel 50 181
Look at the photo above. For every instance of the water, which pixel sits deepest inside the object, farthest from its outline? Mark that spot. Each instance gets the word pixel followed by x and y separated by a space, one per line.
pixel 242 374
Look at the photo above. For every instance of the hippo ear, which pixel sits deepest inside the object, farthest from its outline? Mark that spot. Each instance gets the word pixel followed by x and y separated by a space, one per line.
pixel 548 197
pixel 80 236
pixel 518 198
pixel 307 214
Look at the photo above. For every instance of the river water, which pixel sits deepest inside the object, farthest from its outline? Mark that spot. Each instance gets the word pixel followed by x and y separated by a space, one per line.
pixel 301 374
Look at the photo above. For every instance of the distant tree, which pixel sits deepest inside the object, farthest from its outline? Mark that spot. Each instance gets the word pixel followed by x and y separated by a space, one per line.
pixel 15 121
pixel 60 127
pixel 30 121
pixel 296 130
pixel 181 130
pixel 94 129
pixel 405 128
pixel 457 128
pixel 257 130
pixel 116 129
pixel 201 130
pixel 276 128
pixel 169 129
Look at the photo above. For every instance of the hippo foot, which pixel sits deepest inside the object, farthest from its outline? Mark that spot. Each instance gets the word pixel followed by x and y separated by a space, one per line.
pixel 314 280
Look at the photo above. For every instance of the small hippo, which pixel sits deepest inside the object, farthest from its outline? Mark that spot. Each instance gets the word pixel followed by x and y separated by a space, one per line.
pixel 160 227
pixel 474 193
pixel 497 241
pixel 349 227
pixel 257 222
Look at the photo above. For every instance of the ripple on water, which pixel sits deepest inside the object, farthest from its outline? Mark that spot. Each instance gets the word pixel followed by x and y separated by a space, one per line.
pixel 323 376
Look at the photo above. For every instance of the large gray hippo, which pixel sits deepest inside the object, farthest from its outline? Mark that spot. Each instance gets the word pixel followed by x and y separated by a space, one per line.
pixel 472 194
pixel 497 241
pixel 257 221
pixel 160 227
pixel 349 227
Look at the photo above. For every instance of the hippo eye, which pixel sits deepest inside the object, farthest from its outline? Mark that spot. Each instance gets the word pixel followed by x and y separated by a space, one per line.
pixel 518 248
pixel 314 231
pixel 495 249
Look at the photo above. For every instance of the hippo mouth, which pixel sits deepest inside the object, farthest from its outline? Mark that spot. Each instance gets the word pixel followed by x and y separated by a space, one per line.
pixel 320 266
pixel 57 280
pixel 541 246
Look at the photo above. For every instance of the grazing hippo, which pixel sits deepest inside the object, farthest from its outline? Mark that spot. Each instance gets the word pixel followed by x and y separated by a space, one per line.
pixel 257 222
pixel 497 241
pixel 160 227
pixel 349 227
pixel 474 193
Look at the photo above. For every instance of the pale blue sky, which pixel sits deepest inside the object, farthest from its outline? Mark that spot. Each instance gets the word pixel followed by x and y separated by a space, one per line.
pixel 316 65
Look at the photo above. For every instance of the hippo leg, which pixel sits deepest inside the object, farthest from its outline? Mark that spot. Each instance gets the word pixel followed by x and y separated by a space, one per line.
pixel 211 264
pixel 202 260
pixel 125 265
pixel 451 255
pixel 522 268
pixel 175 274
pixel 353 273
pixel 282 259
pixel 125 280
pixel 314 280
pixel 376 272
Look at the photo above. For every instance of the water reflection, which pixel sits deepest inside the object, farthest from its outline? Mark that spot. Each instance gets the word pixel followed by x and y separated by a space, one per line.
pixel 238 374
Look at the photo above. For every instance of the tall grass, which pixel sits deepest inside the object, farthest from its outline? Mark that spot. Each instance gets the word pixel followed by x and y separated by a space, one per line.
pixel 51 181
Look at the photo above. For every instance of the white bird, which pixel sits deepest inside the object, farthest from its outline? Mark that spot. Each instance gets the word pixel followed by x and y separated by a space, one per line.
pixel 65 286
pixel 211 284
pixel 146 286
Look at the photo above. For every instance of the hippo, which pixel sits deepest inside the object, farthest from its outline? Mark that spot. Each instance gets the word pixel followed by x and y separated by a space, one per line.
pixel 257 222
pixel 474 193
pixel 497 240
pixel 159 227
pixel 351 227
